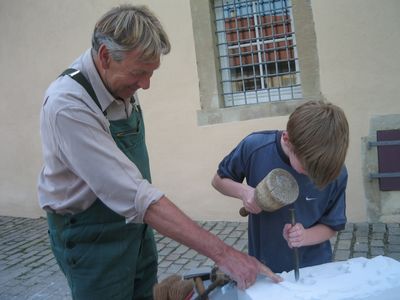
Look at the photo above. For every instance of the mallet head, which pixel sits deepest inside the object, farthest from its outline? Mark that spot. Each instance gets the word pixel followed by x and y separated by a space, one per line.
pixel 277 189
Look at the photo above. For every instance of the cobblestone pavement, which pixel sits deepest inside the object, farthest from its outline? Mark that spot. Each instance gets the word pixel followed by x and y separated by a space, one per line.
pixel 28 269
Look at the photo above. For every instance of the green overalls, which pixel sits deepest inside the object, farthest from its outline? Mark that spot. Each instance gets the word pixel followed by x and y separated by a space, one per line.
pixel 101 256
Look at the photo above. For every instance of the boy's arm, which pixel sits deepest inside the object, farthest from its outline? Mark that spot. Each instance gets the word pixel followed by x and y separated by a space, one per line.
pixel 298 236
pixel 231 188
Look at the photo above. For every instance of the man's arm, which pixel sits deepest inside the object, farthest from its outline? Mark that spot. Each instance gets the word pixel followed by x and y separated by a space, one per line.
pixel 170 221
pixel 231 188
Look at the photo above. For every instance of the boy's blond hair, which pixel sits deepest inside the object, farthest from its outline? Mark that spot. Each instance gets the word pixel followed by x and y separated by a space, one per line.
pixel 319 136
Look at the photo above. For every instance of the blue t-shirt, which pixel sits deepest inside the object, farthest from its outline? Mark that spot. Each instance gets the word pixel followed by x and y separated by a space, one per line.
pixel 254 157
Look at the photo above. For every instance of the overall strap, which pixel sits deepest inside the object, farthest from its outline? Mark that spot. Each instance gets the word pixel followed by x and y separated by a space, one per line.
pixel 78 77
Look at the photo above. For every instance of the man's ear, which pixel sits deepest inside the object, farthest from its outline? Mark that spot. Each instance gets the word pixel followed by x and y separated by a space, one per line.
pixel 104 57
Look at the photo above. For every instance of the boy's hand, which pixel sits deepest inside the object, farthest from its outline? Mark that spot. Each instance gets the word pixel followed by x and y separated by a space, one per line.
pixel 294 235
pixel 249 202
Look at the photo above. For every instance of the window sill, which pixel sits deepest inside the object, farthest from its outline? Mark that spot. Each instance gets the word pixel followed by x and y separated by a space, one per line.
pixel 247 112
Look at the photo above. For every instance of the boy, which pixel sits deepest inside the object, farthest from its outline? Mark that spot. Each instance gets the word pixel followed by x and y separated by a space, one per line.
pixel 313 149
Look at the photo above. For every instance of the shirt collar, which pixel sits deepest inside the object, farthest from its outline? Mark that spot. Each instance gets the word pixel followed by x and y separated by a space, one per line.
pixel 89 69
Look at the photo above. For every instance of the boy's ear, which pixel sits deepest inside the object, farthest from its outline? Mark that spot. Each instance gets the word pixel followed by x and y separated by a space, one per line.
pixel 285 137
pixel 286 141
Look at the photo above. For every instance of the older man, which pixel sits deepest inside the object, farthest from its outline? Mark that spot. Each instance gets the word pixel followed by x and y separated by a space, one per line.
pixel 96 184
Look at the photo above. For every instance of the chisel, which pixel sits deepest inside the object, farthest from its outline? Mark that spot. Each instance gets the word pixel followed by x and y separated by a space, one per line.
pixel 295 250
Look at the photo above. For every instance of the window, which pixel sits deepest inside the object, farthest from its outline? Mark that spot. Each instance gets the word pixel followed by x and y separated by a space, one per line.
pixel 250 62
pixel 257 51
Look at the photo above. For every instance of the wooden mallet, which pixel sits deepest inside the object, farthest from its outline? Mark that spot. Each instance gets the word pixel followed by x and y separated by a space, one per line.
pixel 277 189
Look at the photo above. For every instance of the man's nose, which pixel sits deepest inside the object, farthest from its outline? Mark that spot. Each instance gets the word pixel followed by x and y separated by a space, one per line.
pixel 144 83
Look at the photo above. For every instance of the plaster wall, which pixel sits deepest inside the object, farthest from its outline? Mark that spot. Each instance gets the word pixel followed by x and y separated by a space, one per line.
pixel 357 42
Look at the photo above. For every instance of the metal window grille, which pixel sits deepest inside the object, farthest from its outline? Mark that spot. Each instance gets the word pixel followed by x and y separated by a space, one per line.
pixel 257 51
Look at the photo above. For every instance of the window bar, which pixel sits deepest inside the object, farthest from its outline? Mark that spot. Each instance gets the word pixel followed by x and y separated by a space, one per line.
pixel 288 57
pixel 272 22
pixel 293 73
pixel 230 83
pixel 261 53
pixel 295 54
pixel 223 47
pixel 250 35
pixel 244 52
pixel 264 62
pixel 237 5
pixel 256 15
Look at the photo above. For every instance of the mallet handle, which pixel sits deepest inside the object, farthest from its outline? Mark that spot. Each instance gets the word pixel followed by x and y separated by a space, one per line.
pixel 243 212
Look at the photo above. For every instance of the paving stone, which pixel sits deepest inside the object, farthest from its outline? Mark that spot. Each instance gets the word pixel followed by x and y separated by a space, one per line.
pixel 200 257
pixel 166 251
pixel 192 264
pixel 361 226
pixel 174 269
pixel 189 254
pixel 343 244
pixel 394 239
pixel 240 244
pixel 394 230
pixel 393 248
pixel 361 239
pixel 165 264
pixel 342 255
pixel 378 236
pixel 242 226
pixel 208 263
pixel 360 254
pixel 222 236
pixel 236 234
pixel 219 225
pixel 230 241
pixel 227 230
pixel 349 227
pixel 181 261
pixel 360 247
pixel 379 227
pixel 377 243
pixel 215 231
pixel 346 235
pixel 181 249
pixel 377 251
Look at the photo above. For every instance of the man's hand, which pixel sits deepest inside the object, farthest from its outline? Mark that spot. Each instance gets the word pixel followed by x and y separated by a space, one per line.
pixel 243 268
pixel 294 235
pixel 170 221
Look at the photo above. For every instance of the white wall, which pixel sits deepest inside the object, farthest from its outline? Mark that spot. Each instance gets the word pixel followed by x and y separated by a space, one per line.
pixel 357 41
pixel 358 44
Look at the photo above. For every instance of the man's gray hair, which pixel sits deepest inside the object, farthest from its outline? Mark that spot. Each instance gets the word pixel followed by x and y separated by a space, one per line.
pixel 126 28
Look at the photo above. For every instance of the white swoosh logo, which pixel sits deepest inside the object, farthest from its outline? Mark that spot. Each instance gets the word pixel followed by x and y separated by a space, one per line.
pixel 309 199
